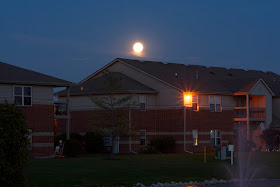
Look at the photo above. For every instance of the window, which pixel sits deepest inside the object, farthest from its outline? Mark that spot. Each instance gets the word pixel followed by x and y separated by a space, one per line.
pixel 194 102
pixel 29 137
pixel 22 95
pixel 142 103
pixel 215 103
pixel 215 136
pixel 195 137
pixel 107 140
pixel 143 137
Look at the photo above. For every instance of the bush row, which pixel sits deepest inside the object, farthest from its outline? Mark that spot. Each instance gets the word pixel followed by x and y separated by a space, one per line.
pixel 160 145
pixel 93 143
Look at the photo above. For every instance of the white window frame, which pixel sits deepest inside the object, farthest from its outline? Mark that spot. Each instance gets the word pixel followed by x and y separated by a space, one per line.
pixel 107 141
pixel 215 136
pixel 29 137
pixel 217 101
pixel 195 137
pixel 143 137
pixel 142 100
pixel 195 96
pixel 22 95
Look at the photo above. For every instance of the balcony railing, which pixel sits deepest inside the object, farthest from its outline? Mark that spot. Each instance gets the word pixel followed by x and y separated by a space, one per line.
pixel 240 113
pixel 257 113
pixel 254 113
pixel 60 109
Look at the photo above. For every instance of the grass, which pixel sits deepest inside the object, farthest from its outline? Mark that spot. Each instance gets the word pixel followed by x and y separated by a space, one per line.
pixel 131 169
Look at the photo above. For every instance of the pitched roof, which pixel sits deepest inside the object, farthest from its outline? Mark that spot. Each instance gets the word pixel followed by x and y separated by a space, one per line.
pixel 210 79
pixel 97 86
pixel 15 75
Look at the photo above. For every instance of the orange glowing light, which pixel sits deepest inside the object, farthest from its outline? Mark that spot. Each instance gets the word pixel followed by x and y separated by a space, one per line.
pixel 187 99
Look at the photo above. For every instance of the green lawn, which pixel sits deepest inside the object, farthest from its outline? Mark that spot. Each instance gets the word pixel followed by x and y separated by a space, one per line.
pixel 131 169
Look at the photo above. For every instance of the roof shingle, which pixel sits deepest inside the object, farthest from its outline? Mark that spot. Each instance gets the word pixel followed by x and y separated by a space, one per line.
pixel 15 75
pixel 210 80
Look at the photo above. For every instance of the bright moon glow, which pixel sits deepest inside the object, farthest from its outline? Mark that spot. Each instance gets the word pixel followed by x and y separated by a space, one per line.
pixel 137 47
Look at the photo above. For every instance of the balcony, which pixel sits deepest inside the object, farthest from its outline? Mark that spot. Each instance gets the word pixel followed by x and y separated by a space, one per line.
pixel 60 110
pixel 255 113
pixel 240 112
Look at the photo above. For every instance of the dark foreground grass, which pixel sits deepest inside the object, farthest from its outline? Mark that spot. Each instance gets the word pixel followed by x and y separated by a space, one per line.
pixel 94 170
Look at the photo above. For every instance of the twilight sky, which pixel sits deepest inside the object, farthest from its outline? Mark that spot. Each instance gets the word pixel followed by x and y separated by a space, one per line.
pixel 71 39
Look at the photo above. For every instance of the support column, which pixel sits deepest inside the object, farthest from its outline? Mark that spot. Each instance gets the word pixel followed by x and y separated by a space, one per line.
pixel 248 116
pixel 68 114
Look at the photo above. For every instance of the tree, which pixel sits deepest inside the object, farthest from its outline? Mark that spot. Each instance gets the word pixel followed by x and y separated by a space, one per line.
pixel 13 145
pixel 112 120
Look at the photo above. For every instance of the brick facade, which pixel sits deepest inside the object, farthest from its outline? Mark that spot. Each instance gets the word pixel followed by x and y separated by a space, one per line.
pixel 162 123
pixel 40 119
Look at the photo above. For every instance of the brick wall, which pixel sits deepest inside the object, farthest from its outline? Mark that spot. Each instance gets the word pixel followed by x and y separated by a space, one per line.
pixel 162 123
pixel 40 119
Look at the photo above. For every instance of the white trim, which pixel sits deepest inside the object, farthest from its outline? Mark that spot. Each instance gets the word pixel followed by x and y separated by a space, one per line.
pixel 30 138
pixel 43 134
pixel 3 99
pixel 127 142
pixel 44 101
pixel 197 107
pixel 177 142
pixel 43 145
pixel 117 59
pixel 216 132
pixel 215 103
pixel 195 138
pixel 22 94
pixel 143 137
pixel 152 76
pixel 264 84
pixel 167 133
pixel 98 71
pixel 144 101
pixel 148 107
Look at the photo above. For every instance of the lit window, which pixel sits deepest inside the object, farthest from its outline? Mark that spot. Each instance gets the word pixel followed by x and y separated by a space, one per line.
pixel 215 103
pixel 215 136
pixel 143 137
pixel 142 103
pixel 22 96
pixel 195 137
pixel 194 102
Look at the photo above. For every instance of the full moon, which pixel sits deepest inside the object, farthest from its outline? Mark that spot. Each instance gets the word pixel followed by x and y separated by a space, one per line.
pixel 138 47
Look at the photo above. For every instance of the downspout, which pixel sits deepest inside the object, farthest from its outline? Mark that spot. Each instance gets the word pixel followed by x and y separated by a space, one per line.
pixel 185 128
pixel 129 123
pixel 68 113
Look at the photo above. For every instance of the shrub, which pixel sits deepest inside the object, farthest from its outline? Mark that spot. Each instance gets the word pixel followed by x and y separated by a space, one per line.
pixel 13 146
pixel 271 138
pixel 62 137
pixel 149 150
pixel 164 144
pixel 94 142
pixel 72 148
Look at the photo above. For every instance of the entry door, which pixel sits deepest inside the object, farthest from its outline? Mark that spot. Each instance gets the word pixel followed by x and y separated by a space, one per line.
pixel 116 147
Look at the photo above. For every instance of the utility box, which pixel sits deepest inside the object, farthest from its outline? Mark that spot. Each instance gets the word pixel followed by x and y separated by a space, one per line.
pixel 230 147
pixel 223 153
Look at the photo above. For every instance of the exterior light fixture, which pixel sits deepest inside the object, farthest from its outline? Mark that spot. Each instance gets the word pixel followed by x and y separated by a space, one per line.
pixel 187 99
